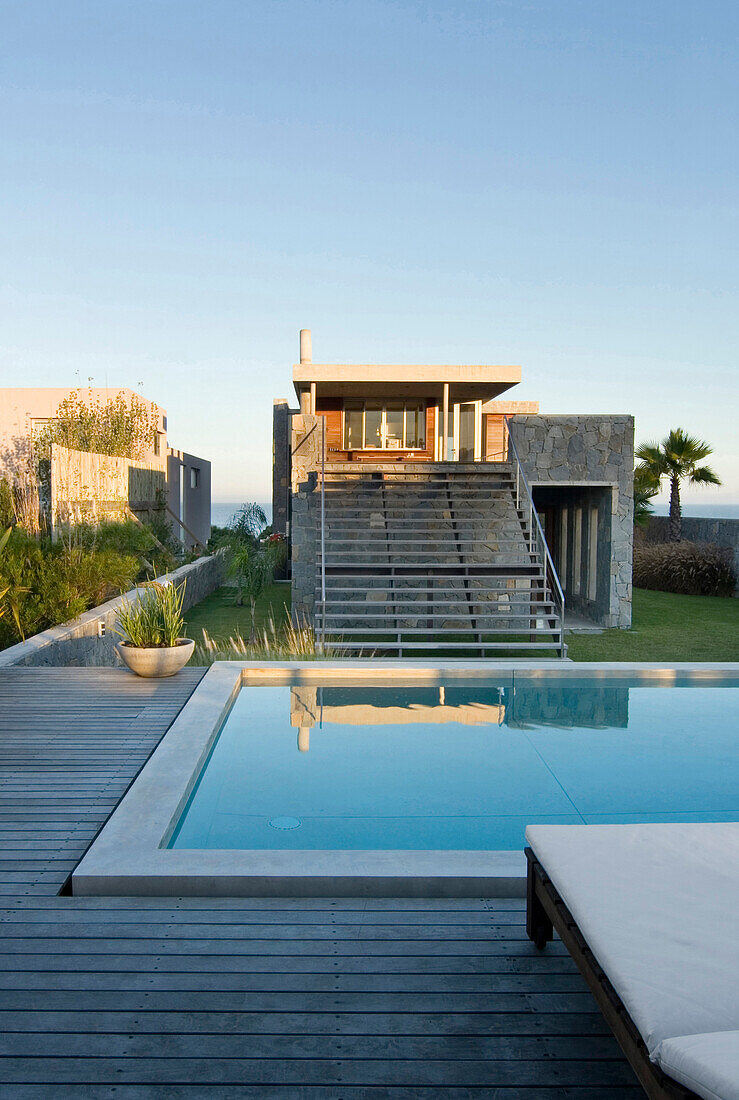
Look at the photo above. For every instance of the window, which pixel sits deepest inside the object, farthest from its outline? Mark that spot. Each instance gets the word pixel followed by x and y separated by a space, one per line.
pixel 157 443
pixel 386 426
pixel 194 477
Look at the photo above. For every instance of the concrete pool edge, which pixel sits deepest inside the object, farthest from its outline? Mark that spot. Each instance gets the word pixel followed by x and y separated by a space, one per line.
pixel 128 856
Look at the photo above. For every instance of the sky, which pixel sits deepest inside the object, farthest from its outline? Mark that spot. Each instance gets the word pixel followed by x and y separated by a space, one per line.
pixel 184 185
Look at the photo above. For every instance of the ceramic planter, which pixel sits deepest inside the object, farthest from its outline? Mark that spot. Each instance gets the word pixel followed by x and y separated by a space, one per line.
pixel 156 660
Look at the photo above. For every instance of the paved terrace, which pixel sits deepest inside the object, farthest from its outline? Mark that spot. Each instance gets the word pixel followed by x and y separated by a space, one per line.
pixel 223 998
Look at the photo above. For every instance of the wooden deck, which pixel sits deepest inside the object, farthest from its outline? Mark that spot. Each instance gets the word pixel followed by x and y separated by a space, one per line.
pixel 220 998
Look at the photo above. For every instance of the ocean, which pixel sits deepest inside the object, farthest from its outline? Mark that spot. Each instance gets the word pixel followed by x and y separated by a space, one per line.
pixel 221 512
pixel 702 511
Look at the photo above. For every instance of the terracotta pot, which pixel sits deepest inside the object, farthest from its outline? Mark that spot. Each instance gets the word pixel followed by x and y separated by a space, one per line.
pixel 156 660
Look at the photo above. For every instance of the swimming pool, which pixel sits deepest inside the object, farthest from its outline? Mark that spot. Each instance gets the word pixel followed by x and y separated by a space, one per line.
pixel 296 779
pixel 461 765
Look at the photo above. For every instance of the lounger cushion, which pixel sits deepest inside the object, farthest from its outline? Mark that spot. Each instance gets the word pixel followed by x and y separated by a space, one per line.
pixel 707 1064
pixel 659 908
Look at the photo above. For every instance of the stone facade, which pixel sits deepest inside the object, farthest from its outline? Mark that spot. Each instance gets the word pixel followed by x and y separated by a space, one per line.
pixel 592 457
pixel 305 505
pixel 581 472
pixel 81 641
pixel 281 443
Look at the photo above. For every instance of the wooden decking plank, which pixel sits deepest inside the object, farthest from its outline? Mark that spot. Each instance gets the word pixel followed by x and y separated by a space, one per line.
pixel 334 1073
pixel 186 1022
pixel 162 999
pixel 104 998
pixel 308 1045
pixel 116 974
pixel 58 1091
pixel 297 964
pixel 247 905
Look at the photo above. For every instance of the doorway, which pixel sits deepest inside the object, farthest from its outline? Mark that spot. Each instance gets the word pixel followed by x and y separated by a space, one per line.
pixel 467 431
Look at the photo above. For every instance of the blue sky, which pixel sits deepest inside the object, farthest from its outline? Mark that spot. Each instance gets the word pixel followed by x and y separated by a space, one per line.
pixel 184 186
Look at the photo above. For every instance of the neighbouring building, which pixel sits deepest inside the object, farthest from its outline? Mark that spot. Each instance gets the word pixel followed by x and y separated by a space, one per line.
pixel 425 510
pixel 85 485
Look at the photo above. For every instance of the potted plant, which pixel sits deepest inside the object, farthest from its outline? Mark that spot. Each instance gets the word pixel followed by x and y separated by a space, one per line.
pixel 151 627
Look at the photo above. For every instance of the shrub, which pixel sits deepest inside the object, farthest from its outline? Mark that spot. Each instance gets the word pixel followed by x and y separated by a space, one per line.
pixel 688 568
pixel 7 511
pixel 45 585
pixel 118 427
pixel 128 538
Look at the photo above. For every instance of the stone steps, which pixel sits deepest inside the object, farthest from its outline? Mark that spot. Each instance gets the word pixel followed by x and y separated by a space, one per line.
pixel 431 563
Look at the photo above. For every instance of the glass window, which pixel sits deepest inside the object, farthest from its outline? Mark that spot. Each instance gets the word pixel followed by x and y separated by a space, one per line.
pixel 194 477
pixel 415 427
pixel 373 424
pixel 394 425
pixel 353 426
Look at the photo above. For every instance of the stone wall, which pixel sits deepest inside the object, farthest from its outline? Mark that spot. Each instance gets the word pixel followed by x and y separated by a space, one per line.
pixel 81 642
pixel 305 503
pixel 281 443
pixel 589 452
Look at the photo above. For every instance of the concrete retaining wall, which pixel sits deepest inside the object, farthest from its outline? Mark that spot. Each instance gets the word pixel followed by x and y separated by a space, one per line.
pixel 81 643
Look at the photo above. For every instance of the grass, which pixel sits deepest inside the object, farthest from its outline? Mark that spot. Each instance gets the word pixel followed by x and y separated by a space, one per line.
pixel 222 618
pixel 666 627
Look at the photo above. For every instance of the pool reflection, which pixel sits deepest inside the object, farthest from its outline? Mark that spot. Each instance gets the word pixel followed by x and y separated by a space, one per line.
pixel 523 705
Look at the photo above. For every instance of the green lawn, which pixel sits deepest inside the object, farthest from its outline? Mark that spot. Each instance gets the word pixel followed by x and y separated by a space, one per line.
pixel 220 615
pixel 666 627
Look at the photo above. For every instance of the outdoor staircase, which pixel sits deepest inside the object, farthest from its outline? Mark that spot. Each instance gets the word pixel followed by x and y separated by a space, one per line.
pixel 438 560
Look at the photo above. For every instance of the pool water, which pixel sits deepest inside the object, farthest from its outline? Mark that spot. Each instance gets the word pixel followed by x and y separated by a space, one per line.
pixel 461 766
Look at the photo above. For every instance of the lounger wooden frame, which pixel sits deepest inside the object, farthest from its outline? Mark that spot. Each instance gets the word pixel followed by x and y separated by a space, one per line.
pixel 545 912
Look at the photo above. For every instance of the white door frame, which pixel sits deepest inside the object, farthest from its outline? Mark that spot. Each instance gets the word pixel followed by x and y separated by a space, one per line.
pixel 478 429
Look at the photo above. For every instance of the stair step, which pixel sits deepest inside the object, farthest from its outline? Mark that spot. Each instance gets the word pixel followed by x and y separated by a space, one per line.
pixel 403 569
pixel 524 596
pixel 442 646
pixel 450 537
pixel 434 589
pixel 407 630
pixel 436 481
pixel 422 607
pixel 421 611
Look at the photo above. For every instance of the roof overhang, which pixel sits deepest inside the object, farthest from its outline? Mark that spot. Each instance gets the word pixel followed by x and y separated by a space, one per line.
pixel 466 381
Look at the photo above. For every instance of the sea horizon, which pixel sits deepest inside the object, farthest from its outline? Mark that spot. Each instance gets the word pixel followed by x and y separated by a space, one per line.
pixel 222 511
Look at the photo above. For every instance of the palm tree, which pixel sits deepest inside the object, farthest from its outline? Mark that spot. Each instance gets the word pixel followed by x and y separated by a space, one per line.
pixel 676 458
pixel 253 568
pixel 250 562
pixel 646 486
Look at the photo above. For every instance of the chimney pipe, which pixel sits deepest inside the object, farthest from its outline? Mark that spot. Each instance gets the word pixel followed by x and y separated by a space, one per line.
pixel 306 350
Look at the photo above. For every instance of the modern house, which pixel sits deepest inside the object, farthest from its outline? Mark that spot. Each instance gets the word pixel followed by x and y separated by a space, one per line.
pixel 167 480
pixel 426 511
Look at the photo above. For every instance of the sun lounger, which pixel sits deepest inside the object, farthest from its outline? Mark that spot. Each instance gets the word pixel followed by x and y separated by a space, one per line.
pixel 650 914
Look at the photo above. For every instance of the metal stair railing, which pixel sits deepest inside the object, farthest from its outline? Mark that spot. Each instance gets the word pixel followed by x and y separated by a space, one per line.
pixel 537 541
pixel 321 637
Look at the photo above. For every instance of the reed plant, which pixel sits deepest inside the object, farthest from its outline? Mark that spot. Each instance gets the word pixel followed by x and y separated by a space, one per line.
pixel 155 619
pixel 287 642
pixel 686 568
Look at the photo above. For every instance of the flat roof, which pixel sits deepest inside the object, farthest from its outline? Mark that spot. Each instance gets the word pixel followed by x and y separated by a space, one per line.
pixel 344 378
pixel 404 372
